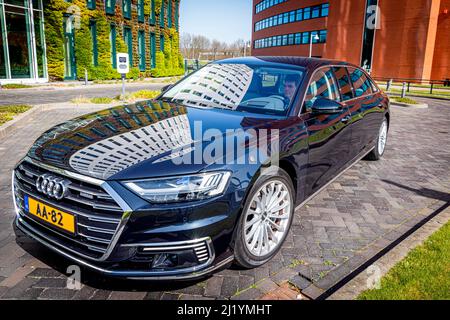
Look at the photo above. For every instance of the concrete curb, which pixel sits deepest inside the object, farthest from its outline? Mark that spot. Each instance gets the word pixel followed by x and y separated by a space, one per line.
pixel 412 106
pixel 10 126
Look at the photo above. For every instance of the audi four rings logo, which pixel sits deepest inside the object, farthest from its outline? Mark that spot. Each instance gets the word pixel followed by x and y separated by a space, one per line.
pixel 52 186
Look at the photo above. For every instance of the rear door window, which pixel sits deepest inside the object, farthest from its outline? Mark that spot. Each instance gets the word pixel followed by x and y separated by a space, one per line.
pixel 361 83
pixel 345 85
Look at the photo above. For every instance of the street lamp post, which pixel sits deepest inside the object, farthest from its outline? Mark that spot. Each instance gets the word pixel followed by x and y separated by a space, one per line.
pixel 316 37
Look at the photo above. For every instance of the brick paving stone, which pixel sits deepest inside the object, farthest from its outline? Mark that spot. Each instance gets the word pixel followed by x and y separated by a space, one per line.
pixel 119 295
pixel 101 295
pixel 300 282
pixel 57 294
pixel 32 294
pixel 51 283
pixel 213 286
pixel 153 296
pixel 359 214
pixel 194 297
pixel 266 285
pixel 230 286
pixel 170 296
pixel 3 290
pixel 250 294
pixel 85 293
pixel 19 289
pixel 45 273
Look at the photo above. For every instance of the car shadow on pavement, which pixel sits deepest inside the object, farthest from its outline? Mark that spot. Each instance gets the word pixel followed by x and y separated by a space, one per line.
pixel 424 192
pixel 99 281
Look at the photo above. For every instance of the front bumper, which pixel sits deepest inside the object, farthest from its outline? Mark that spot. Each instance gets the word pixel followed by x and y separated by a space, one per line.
pixel 23 229
pixel 193 239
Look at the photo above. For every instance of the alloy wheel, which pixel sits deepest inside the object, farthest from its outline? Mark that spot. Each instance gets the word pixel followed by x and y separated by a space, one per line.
pixel 267 218
pixel 382 138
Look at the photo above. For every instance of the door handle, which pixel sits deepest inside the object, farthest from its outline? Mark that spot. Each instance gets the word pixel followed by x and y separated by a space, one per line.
pixel 346 119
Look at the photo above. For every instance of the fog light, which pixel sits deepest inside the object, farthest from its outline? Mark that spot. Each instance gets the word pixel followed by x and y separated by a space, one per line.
pixel 165 260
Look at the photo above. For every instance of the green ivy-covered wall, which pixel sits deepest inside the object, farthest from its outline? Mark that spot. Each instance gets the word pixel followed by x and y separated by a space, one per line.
pixel 168 62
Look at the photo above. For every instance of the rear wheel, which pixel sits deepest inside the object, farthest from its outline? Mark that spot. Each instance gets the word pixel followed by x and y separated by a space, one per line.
pixel 265 220
pixel 380 147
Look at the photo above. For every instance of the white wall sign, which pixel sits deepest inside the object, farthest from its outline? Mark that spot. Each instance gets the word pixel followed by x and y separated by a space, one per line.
pixel 123 63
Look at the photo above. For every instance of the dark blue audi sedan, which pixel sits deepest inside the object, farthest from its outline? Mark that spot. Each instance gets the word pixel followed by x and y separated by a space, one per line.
pixel 208 173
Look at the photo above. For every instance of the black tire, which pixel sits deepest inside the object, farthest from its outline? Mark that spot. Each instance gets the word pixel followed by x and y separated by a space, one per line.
pixel 243 257
pixel 376 154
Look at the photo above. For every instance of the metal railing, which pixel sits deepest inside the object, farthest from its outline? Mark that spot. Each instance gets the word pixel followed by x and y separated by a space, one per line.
pixel 416 86
pixel 191 65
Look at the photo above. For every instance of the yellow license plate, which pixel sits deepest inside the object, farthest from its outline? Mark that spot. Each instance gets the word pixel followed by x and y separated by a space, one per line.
pixel 53 216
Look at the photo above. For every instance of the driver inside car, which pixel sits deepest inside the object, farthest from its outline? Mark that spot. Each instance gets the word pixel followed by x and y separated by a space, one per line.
pixel 290 88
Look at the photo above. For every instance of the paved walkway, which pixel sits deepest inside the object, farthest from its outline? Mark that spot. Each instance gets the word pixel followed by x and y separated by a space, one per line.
pixel 38 95
pixel 364 211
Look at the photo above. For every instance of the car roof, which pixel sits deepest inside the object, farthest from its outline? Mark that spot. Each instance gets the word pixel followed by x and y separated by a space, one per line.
pixel 308 63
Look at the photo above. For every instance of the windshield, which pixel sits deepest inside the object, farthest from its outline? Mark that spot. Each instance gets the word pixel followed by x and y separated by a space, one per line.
pixel 239 87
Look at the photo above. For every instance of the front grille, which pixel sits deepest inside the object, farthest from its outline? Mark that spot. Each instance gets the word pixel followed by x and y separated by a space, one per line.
pixel 96 212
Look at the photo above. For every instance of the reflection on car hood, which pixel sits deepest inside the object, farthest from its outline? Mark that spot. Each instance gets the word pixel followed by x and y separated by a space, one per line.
pixel 133 141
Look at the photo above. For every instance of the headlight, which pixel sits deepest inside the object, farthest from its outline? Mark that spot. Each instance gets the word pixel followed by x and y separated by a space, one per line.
pixel 184 188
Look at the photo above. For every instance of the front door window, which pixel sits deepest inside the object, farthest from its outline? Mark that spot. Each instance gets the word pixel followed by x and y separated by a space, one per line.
pixel 323 85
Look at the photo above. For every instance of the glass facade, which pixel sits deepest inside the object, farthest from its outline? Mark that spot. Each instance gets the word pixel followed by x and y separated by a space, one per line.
pixel 369 37
pixel 22 40
pixel 302 14
pixel 300 38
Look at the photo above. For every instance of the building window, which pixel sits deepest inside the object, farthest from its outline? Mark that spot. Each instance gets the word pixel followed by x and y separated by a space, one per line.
pixel 128 38
pixel 315 12
pixel 325 10
pixel 266 4
pixel 177 14
pixel 112 41
pixel 323 36
pixel 126 9
pixel 141 45
pixel 169 14
pixel 152 50
pixel 152 13
pixel 140 10
pixel 161 15
pixel 22 51
pixel 91 4
pixel 301 14
pixel 110 6
pixel 291 39
pixel 161 43
pixel 93 31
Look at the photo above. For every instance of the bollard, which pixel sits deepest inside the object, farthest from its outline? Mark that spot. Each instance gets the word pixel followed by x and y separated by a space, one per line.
pixel 409 84
pixel 431 89
pixel 404 90
pixel 389 84
pixel 85 77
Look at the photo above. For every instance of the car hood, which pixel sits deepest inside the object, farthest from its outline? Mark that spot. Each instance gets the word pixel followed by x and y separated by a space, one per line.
pixel 137 140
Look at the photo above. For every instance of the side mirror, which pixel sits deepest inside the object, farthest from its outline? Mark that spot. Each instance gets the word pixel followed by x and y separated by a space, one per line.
pixel 166 88
pixel 326 106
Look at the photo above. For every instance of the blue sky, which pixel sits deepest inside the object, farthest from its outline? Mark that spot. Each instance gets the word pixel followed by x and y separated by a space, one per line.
pixel 226 20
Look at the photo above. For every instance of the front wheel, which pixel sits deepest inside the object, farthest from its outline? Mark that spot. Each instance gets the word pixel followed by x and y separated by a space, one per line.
pixel 265 220
pixel 380 147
